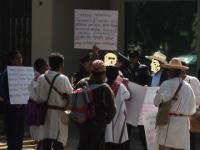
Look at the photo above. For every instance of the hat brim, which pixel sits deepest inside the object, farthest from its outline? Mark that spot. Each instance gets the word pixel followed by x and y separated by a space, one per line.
pixel 169 66
pixel 123 57
pixel 157 58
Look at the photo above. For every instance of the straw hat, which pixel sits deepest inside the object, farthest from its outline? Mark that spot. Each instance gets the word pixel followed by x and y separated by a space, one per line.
pixel 175 63
pixel 158 56
pixel 122 58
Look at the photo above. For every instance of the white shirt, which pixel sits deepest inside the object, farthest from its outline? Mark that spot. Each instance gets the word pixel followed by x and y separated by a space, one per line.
pixel 116 131
pixel 195 84
pixel 53 127
pixel 176 134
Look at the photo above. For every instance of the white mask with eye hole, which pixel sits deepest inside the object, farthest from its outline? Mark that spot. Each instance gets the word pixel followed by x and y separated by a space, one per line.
pixel 110 59
pixel 155 66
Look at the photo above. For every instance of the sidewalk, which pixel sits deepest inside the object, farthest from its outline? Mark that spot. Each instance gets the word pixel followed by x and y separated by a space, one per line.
pixel 73 141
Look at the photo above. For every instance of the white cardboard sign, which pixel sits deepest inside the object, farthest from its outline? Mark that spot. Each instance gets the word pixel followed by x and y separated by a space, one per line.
pixel 95 27
pixel 19 79
pixel 134 105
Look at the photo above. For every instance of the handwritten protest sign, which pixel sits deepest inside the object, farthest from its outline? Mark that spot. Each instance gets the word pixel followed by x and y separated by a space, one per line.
pixel 134 105
pixel 98 27
pixel 148 118
pixel 19 79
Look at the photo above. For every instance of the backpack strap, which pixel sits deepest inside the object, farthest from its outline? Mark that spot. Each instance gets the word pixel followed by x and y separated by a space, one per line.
pixel 51 86
pixel 61 94
pixel 177 90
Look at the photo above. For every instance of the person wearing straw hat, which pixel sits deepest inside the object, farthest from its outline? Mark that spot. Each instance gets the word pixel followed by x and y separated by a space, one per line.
pixel 159 74
pixel 175 134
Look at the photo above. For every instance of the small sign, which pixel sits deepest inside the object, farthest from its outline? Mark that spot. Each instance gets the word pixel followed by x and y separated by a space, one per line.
pixel 19 78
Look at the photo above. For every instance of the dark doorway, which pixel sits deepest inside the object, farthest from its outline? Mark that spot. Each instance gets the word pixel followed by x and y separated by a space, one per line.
pixel 15 29
pixel 166 25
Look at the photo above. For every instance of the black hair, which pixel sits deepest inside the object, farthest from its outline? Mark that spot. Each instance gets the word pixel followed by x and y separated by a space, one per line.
pixel 134 53
pixel 40 62
pixel 111 73
pixel 12 54
pixel 85 58
pixel 56 60
pixel 174 72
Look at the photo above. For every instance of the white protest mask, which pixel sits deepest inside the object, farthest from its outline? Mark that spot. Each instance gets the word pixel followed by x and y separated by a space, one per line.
pixel 110 59
pixel 155 65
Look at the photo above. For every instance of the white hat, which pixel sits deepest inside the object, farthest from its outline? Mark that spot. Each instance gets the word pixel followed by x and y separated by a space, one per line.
pixel 158 56
pixel 175 63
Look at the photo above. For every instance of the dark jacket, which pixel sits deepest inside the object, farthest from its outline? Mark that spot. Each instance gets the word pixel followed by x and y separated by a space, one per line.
pixel 140 74
pixel 80 75
pixel 104 101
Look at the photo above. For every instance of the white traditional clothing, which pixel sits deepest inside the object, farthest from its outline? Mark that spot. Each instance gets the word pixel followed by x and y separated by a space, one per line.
pixel 195 84
pixel 176 134
pixel 116 131
pixel 34 130
pixel 53 127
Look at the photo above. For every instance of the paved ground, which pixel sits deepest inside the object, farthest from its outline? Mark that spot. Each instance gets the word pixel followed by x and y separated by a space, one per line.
pixel 73 141
pixel 135 141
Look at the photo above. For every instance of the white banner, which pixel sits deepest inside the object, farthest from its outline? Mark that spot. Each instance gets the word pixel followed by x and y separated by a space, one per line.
pixel 148 118
pixel 95 27
pixel 150 94
pixel 19 79
pixel 134 105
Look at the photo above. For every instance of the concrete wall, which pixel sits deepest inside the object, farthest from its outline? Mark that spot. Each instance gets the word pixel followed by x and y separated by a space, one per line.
pixel 41 28
pixel 60 28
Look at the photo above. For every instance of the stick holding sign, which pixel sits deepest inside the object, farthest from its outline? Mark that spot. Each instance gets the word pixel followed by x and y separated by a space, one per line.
pixel 19 79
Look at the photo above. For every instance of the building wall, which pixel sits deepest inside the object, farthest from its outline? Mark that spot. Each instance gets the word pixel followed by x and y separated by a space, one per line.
pixel 41 28
pixel 58 25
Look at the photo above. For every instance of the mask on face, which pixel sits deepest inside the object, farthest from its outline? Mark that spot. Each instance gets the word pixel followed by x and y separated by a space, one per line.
pixel 155 66
pixel 110 59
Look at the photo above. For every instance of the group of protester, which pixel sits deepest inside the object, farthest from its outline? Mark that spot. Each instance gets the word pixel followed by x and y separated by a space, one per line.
pixel 108 128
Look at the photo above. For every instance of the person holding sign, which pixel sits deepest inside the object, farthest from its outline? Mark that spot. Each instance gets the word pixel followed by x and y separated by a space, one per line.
pixel 140 73
pixel 84 69
pixel 14 114
pixel 173 133
pixel 116 131
pixel 194 120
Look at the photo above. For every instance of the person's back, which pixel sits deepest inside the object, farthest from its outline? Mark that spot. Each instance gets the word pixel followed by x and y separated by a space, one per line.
pixel 54 132
pixel 116 131
pixel 92 132
pixel 175 134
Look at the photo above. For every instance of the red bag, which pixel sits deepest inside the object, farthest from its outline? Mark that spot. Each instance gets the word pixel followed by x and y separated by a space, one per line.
pixel 82 104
